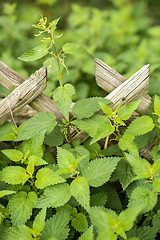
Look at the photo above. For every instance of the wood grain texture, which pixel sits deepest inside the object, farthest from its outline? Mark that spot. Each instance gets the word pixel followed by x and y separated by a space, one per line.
pixel 22 95
pixel 109 79
pixel 42 103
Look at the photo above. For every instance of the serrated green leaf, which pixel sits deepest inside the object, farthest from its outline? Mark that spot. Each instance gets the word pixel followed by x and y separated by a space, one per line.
pixel 7 133
pixel 156 185
pixel 79 223
pixel 106 109
pixel 99 170
pixel 126 111
pixel 146 233
pixel 56 227
pixel 107 234
pixel 87 235
pixel 144 198
pixel 85 108
pixel 141 167
pixel 39 221
pixel 75 49
pixel 54 196
pixel 90 125
pixel 46 177
pixel 131 214
pixel 63 98
pixel 66 160
pixel 103 130
pixel 17 233
pixel 80 191
pixel 126 143
pixel 101 218
pixel 33 146
pixel 98 199
pixel 113 198
pixel 55 138
pixel 37 161
pixel 41 122
pixel 30 168
pixel 14 175
pixel 13 154
pixel 140 125
pixel 20 206
pixel 35 53
pixel 124 173
pixel 80 151
pixel 53 25
pixel 157 105
pixel 6 192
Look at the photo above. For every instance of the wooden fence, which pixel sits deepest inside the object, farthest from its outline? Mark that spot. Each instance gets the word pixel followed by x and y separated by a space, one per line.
pixel 28 92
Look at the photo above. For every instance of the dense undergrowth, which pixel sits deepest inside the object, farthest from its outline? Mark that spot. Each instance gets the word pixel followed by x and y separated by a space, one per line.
pixel 55 187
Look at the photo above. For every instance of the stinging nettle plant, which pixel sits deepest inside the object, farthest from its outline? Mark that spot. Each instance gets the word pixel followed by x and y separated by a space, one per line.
pixel 79 190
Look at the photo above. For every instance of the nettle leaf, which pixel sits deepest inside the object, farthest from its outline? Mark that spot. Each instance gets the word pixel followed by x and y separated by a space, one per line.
pixel 17 233
pixel 141 167
pixel 98 199
pixel 37 161
pixel 78 152
pixel 33 146
pixel 126 143
pixel 140 125
pixel 87 235
pixel 55 138
pixel 125 173
pixel 156 185
pixel 56 227
pixel 144 198
pixel 90 125
pixel 106 109
pixel 66 161
pixel 14 175
pixel 6 192
pixel 41 122
pixel 110 222
pixel 7 132
pixel 39 221
pixel 85 108
pixel 53 25
pixel 63 98
pixel 99 170
pixel 75 49
pixel 13 154
pixel 157 105
pixel 20 206
pixel 54 196
pixel 46 177
pixel 129 213
pixel 35 53
pixel 146 233
pixel 113 198
pixel 80 191
pixel 80 222
pixel 103 130
pixel 126 111
pixel 100 218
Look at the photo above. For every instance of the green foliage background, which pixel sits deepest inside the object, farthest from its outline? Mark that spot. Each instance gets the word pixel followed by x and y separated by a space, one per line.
pixel 124 34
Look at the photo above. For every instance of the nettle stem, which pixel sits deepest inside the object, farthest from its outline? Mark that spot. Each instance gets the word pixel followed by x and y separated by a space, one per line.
pixel 59 69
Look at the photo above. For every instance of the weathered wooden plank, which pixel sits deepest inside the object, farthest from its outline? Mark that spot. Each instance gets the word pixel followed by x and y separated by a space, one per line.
pixel 9 78
pixel 42 103
pixel 132 89
pixel 109 79
pixel 23 95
